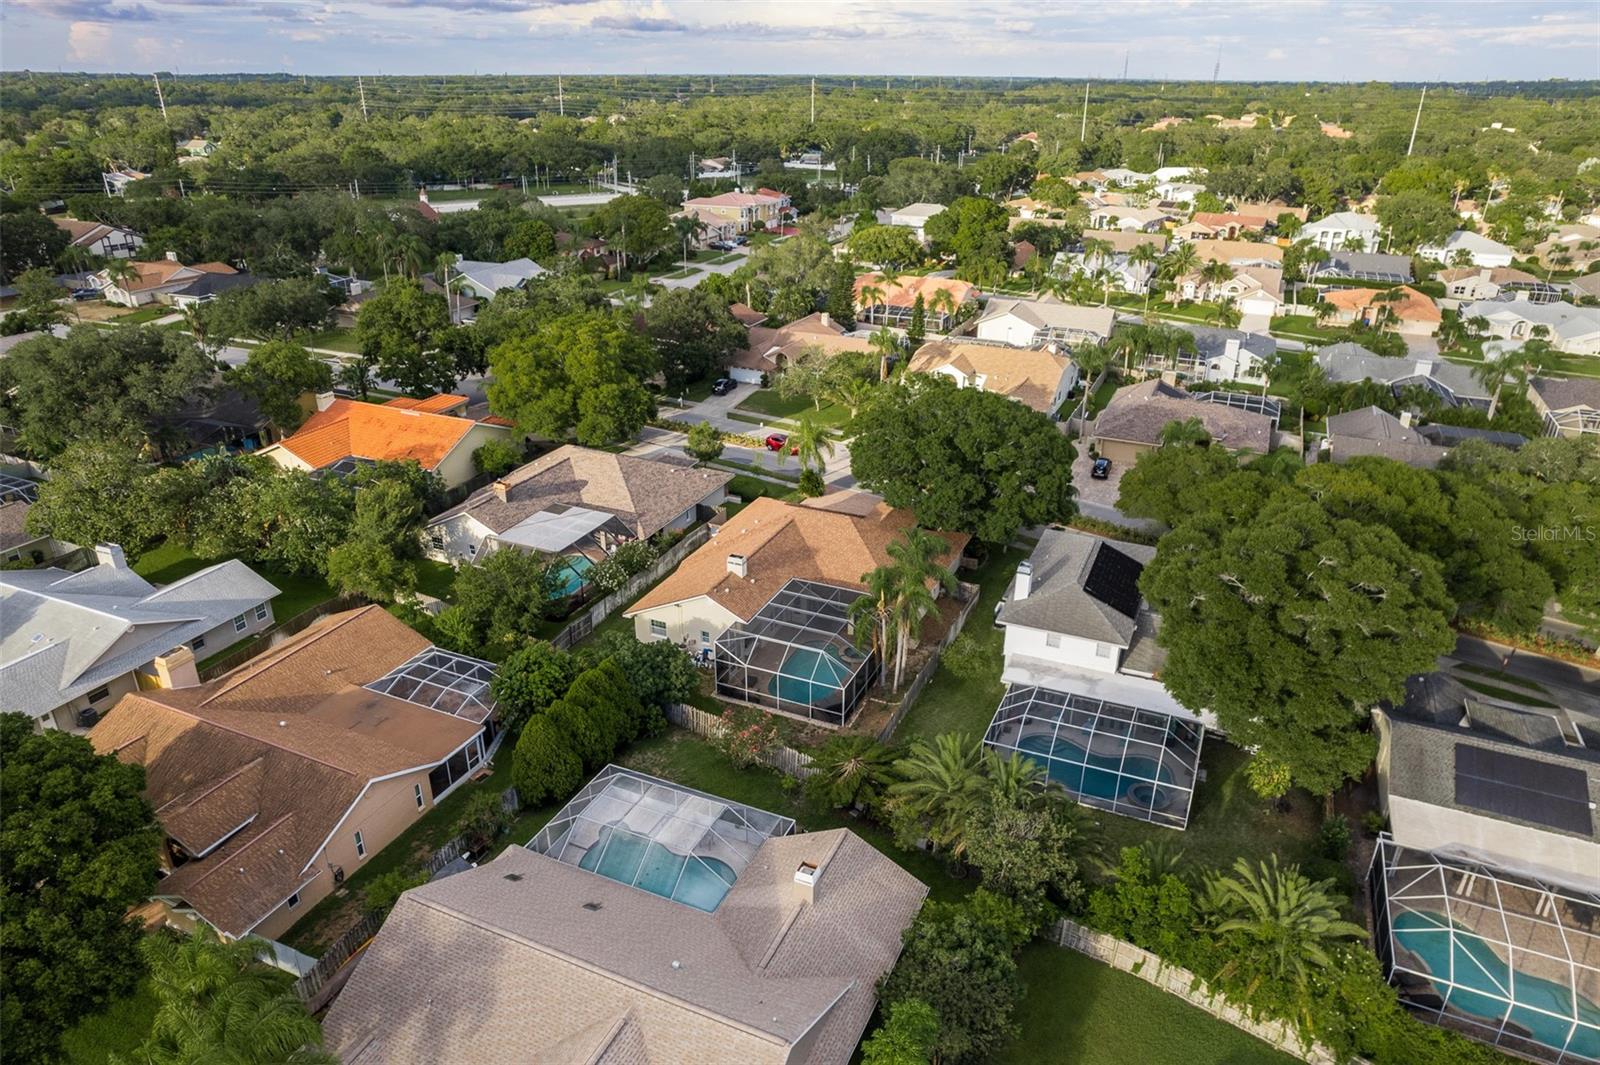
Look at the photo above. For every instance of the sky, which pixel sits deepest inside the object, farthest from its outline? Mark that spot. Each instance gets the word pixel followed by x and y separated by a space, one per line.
pixel 1281 40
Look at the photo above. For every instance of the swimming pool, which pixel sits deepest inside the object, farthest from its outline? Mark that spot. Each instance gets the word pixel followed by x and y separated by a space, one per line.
pixel 573 573
pixel 633 859
pixel 1101 776
pixel 1481 982
pixel 809 675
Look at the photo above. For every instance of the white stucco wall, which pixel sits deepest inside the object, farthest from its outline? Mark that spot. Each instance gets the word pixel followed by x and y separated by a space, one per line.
pixel 1007 329
pixel 689 619
pixel 1515 848
pixel 1069 650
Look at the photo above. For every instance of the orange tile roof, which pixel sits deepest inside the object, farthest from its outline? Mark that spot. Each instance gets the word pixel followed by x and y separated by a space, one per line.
pixel 161 271
pixel 442 403
pixel 903 291
pixel 1411 306
pixel 377 432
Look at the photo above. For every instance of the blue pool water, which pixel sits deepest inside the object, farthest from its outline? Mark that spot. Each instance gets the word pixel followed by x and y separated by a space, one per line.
pixel 633 859
pixel 1482 977
pixel 1100 776
pixel 573 572
pixel 810 676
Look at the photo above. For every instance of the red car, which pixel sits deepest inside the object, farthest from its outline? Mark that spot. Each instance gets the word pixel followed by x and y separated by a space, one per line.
pixel 777 442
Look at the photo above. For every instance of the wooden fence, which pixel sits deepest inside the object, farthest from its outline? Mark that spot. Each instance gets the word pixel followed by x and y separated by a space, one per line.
pixel 1174 980
pixel 597 613
pixel 277 634
pixel 785 760
pixel 908 697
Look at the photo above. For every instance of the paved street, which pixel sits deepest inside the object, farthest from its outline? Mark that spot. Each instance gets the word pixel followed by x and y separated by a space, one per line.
pixel 702 271
pixel 1552 673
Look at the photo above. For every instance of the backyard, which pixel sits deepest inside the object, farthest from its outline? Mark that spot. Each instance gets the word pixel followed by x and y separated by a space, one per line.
pixel 172 561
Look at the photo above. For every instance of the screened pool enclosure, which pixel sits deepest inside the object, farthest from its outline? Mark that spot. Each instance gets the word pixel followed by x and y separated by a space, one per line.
pixel 452 684
pixel 1130 761
pixel 648 833
pixel 796 656
pixel 1502 958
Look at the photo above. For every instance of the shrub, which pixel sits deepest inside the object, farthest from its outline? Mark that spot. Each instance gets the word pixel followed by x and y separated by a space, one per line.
pixel 482 820
pixel 545 765
pixel 967 658
pixel 529 680
pixel 705 442
pixel 658 672
pixel 384 890
pixel 592 735
pixel 1267 778
pixel 810 483
pixel 1333 839
pixel 906 1038
pixel 744 734
pixel 497 457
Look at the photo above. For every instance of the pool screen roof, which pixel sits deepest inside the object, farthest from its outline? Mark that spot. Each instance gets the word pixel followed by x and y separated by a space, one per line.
pixel 1112 756
pixel 692 824
pixel 556 529
pixel 1506 959
pixel 444 681
pixel 12 487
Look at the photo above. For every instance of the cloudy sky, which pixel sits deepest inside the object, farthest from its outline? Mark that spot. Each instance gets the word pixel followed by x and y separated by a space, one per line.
pixel 1279 40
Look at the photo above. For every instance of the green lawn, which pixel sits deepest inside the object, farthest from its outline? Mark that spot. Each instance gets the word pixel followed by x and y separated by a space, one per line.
pixel 1509 694
pixel 435 578
pixel 1080 1012
pixel 678 275
pixel 1103 394
pixel 143 315
pixel 1302 325
pixel 296 593
pixel 726 257
pixel 118 1030
pixel 333 339
pixel 766 401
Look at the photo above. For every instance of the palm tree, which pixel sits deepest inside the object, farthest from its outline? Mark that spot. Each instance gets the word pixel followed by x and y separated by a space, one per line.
pixel 886 345
pixel 870 298
pixel 852 394
pixel 1144 255
pixel 1215 273
pixel 1285 922
pixel 410 253
pixel 1015 777
pixel 688 227
pixel 916 561
pixel 1180 262
pixel 939 784
pixel 1533 358
pixel 1190 432
pixel 852 771
pixel 813 443
pixel 871 613
pixel 1227 314
pixel 942 302
pixel 119 272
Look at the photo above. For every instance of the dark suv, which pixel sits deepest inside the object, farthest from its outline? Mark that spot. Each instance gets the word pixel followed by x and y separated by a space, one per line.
pixel 723 386
pixel 1101 470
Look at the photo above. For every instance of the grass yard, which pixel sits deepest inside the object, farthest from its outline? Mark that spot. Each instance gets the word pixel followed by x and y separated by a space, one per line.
pixel 1080 1012
pixel 677 275
pixel 296 593
pixel 435 578
pixel 1501 678
pixel 334 340
pixel 144 314
pixel 1303 326
pixel 1509 694
pixel 724 258
pixel 119 1030
pixel 1102 395
pixel 766 401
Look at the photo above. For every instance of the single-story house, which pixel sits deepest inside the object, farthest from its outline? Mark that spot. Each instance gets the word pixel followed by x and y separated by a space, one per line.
pixel 111 242
pixel 895 299
pixel 344 433
pixel 1272 209
pixel 197 148
pixel 769 350
pixel 1586 287
pixel 1210 225
pixel 1468 284
pixel 1342 230
pixel 1035 377
pixel 575 499
pixel 1568 407
pixel 16 542
pixel 153 280
pixel 1132 422
pixel 767 950
pixel 276 781
pixel 1127 275
pixel 1571 247
pixel 1480 249
pixel 72 643
pixel 1374 431
pixel 914 216
pixel 1177 193
pixel 1365 266
pixel 1411 312
pixel 1575 330
pixel 1029 323
pixel 482 280
pixel 1347 362
pixel 1239 252
pixel 1142 219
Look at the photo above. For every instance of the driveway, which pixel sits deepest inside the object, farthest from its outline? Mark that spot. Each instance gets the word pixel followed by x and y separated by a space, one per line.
pixel 654 441
pixel 1098 499
pixel 703 270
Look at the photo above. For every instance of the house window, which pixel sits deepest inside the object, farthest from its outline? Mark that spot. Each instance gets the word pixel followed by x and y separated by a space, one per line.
pixel 294 900
pixel 1052 639
pixel 197 643
pixel 658 628
pixel 436 541
pixel 416 789
pixel 361 846
pixel 472 550
pixel 474 754
pixel 1104 650
pixel 98 694
pixel 705 637
pixel 239 623
pixel 261 611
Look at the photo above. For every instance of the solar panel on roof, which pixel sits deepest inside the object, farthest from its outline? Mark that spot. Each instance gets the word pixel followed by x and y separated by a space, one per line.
pixel 1529 790
pixel 1114 580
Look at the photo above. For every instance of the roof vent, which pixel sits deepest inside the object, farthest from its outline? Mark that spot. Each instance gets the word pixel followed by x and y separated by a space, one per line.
pixel 592 907
pixel 513 877
pixel 283 724
pixel 676 964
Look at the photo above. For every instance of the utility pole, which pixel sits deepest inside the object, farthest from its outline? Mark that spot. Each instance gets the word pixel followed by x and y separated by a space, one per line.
pixel 1217 70
pixel 362 89
pixel 1083 130
pixel 160 99
pixel 1416 122
pixel 813 101
pixel 561 100
pixel 1125 56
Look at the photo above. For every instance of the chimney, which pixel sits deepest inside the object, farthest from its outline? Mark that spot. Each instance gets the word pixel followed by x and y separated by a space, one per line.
pixel 176 668
pixel 325 400
pixel 422 194
pixel 1230 350
pixel 501 490
pixel 738 566
pixel 827 320
pixel 172 256
pixel 110 555
pixel 1024 581
pixel 1405 418
pixel 805 883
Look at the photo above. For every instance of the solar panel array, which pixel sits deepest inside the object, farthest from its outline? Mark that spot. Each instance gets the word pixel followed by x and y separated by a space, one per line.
pixel 1114 580
pixel 1524 788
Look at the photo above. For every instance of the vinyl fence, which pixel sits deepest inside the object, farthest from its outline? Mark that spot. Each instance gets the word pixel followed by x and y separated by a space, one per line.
pixel 597 613
pixel 1122 955
pixel 785 760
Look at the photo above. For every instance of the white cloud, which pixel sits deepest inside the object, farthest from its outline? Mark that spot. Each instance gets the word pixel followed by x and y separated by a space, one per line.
pixel 1277 54
pixel 89 42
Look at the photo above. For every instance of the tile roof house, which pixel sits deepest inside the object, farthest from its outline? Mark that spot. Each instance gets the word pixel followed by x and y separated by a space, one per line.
pixel 733 213
pixel 1028 323
pixel 1126 274
pixel 1269 209
pixel 1132 422
pixel 1257 290
pixel 1208 225
pixel 575 498
pixel 1567 407
pixel 275 780
pixel 532 958
pixel 1239 252
pixel 156 279
pixel 1373 431
pixel 1570 247
pixel 70 643
pixel 1145 219
pixel 1464 243
pixel 348 429
pixel 769 350
pixel 1411 312
pixel 1451 382
pixel 1471 283
pixel 1034 377
pixel 1342 230
pixel 113 242
pixel 899 296
pixel 1575 330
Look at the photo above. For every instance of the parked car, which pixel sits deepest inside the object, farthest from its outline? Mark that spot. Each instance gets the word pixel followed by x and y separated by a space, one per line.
pixel 721 245
pixel 723 385
pixel 1101 470
pixel 777 442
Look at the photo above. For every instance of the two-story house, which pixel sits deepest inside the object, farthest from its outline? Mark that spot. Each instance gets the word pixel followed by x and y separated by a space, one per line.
pixel 1038 378
pixel 1342 230
pixel 98 238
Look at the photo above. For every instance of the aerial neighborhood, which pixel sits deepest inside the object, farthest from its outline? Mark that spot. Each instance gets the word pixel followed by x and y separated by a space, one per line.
pixel 657 569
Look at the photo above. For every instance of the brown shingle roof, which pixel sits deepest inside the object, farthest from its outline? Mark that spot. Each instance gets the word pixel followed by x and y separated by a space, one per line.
pixel 377 432
pixel 1028 375
pixel 767 347
pixel 781 541
pixel 1137 414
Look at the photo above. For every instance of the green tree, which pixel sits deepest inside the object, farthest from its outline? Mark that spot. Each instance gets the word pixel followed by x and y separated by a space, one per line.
pixel 907 1037
pixel 635 226
pixel 705 441
pixel 889 247
pixel 917 329
pixel 1030 845
pixel 658 672
pixel 580 373
pixel 529 680
pixel 496 457
pixel 399 330
pixel 277 374
pixel 97 494
pixel 32 243
pixel 813 443
pixel 533 239
pixel 851 771
pixel 78 850
pixel 1413 218
pixel 1172 482
pixel 842 295
pixel 272 310
pixel 1292 625
pixel 963 459
pixel 379 558
pixel 545 765
pixel 500 600
pixel 694 335
pixel 941 784
pixel 37 304
pixel 973 229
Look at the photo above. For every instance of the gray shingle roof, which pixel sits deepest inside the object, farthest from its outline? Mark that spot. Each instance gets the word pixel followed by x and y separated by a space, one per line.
pixel 1139 412
pixel 1058 601
pixel 1564 394
pixel 1348 361
pixel 1373 431
pixel 1211 342
pixel 1363 264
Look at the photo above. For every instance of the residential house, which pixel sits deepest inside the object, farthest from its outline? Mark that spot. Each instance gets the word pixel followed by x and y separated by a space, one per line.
pixel 914 216
pixel 1231 355
pixel 1239 252
pixel 1208 225
pixel 481 280
pixel 1032 323
pixel 159 281
pixel 345 433
pixel 1467 284
pixel 767 950
pixel 746 315
pixel 1342 231
pixel 778 577
pixel 1178 193
pixel 1139 219
pixel 576 501
pixel 1570 247
pixel 1081 667
pixel 1166 122
pixel 1464 243
pixel 1453 383
pixel 277 780
pixel 1373 431
pixel 1256 290
pixel 1248 120
pixel 1035 377
pixel 1407 310
pixel 1575 330
pixel 1123 177
pixel 115 182
pixel 1568 408
pixel 895 299
pixel 1585 289
pixel 1334 130
pixel 1132 422
pixel 98 238
pixel 1177 173
pixel 741 212
pixel 72 643
pixel 17 496
pixel 769 350
pixel 1272 209
pixel 1025 208
pixel 1363 266
pixel 197 148
pixel 1122 272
